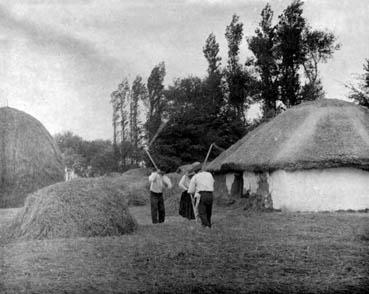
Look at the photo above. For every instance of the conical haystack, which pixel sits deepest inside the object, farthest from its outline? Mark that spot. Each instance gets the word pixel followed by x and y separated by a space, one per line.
pixel 77 208
pixel 29 157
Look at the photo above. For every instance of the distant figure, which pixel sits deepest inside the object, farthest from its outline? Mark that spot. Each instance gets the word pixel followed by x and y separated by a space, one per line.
pixel 186 204
pixel 202 184
pixel 280 106
pixel 69 174
pixel 158 181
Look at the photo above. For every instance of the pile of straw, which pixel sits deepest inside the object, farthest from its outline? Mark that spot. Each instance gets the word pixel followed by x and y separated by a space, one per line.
pixel 134 185
pixel 78 208
pixel 320 134
pixel 135 188
pixel 29 157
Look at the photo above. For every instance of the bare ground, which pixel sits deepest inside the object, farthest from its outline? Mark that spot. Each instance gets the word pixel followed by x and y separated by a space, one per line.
pixel 242 253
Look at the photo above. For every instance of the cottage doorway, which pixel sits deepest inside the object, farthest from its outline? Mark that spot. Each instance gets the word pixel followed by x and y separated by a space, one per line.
pixel 237 186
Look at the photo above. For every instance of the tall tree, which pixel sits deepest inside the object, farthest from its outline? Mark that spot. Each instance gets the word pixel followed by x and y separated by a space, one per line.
pixel 121 99
pixel 263 47
pixel 138 93
pixel 291 51
pixel 234 71
pixel 211 51
pixel 319 46
pixel 155 100
pixel 124 98
pixel 213 80
pixel 287 56
pixel 114 100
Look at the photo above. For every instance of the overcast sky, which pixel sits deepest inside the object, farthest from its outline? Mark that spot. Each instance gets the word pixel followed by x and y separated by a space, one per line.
pixel 61 59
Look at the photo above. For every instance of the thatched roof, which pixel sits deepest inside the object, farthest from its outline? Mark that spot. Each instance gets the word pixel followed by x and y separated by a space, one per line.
pixel 29 157
pixel 320 134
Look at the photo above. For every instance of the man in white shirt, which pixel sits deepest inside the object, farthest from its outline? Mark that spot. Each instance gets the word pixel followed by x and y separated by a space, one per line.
pixel 202 183
pixel 158 181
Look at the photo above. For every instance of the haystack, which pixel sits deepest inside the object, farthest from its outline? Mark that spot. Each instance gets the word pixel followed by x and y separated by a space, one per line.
pixel 134 185
pixel 29 157
pixel 314 156
pixel 78 208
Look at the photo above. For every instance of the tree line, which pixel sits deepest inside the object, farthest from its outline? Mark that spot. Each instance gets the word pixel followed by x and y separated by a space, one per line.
pixel 86 158
pixel 194 112
pixel 283 67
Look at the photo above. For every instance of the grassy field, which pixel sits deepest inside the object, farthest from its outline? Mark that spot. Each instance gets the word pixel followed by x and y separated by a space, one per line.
pixel 242 253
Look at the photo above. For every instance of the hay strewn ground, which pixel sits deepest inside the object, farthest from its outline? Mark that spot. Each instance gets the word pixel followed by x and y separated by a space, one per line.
pixel 78 208
pixel 243 253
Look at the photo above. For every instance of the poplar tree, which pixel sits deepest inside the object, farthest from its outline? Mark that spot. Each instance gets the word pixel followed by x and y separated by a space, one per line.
pixel 262 46
pixel 214 78
pixel 114 100
pixel 138 93
pixel 234 71
pixel 155 100
pixel 120 100
pixel 291 51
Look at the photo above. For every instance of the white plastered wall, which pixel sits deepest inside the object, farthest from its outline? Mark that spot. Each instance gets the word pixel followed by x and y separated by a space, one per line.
pixel 319 190
pixel 229 182
pixel 250 182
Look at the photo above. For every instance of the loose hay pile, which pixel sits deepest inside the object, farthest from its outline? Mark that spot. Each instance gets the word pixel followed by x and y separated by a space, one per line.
pixel 134 185
pixel 79 208
pixel 29 157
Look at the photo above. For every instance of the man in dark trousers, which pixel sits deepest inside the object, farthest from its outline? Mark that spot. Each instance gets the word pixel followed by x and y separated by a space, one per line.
pixel 158 181
pixel 202 184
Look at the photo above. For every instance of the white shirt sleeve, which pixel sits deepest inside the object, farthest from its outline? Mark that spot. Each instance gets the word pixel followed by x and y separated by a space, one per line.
pixel 152 177
pixel 192 186
pixel 167 182
pixel 182 182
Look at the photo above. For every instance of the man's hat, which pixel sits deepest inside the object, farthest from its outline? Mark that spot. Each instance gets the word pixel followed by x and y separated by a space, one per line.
pixel 190 173
pixel 196 166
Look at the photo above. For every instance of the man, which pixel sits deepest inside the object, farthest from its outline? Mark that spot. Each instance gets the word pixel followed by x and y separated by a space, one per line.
pixel 202 183
pixel 158 181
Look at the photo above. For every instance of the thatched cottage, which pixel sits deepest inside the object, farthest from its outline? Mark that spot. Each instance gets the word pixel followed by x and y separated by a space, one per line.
pixel 312 157
pixel 29 157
